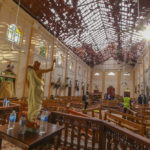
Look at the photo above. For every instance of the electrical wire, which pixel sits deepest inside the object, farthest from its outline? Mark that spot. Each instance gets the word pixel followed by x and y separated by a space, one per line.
pixel 18 9
pixel 138 5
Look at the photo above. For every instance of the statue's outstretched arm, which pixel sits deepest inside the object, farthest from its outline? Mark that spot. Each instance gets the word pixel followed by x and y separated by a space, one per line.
pixel 48 70
pixel 45 70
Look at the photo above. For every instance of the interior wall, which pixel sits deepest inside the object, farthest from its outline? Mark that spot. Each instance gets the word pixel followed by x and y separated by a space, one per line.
pixel 142 73
pixel 126 83
pixel 39 37
pixel 111 81
pixel 33 35
pixel 119 81
pixel 8 13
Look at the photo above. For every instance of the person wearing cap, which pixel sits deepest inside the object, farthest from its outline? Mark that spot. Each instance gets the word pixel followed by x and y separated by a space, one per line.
pixel 126 101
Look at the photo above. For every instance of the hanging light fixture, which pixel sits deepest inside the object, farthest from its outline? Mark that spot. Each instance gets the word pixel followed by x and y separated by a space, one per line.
pixel 146 33
pixel 97 74
pixel 111 74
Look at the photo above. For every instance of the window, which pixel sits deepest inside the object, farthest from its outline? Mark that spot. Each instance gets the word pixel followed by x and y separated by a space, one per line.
pixel 14 34
pixel 71 66
pixel 126 74
pixel 60 59
pixel 43 49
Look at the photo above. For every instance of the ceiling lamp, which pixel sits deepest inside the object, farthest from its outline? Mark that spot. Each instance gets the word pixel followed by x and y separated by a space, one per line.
pixel 146 33
pixel 126 74
pixel 111 74
pixel 97 74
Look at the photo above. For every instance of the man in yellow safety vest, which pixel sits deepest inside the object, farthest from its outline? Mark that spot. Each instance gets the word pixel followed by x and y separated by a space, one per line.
pixel 126 101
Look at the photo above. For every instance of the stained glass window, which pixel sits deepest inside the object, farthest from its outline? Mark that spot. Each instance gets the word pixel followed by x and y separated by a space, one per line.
pixel 43 49
pixel 14 34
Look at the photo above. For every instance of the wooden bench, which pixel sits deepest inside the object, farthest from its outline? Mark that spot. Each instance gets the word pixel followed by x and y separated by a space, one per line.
pixel 124 123
pixel 129 117
pixel 110 104
pixel 93 112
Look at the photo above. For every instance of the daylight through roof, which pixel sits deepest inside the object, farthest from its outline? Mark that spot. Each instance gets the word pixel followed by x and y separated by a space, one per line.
pixel 94 29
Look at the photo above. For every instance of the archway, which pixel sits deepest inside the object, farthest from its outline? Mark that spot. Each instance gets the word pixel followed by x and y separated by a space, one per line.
pixel 111 91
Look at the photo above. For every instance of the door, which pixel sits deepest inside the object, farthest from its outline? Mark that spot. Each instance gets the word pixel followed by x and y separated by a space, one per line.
pixel 111 91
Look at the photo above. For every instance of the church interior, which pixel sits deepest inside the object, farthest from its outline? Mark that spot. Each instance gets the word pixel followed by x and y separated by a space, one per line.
pixel 75 74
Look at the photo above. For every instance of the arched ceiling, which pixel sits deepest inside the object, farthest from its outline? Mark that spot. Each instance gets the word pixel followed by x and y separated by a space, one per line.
pixel 94 29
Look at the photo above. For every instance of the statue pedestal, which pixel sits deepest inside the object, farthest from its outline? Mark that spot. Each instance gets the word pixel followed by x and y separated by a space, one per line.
pixel 32 126
pixel 28 129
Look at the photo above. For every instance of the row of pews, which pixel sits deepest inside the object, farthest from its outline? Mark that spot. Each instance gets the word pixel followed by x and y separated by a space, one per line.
pixel 59 104
pixel 127 121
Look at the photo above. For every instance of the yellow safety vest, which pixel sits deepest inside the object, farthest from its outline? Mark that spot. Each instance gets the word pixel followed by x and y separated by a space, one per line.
pixel 126 102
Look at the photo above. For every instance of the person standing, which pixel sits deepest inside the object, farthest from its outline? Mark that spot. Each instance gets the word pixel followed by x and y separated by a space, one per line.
pixel 109 98
pixel 140 99
pixel 126 101
pixel 144 100
pixel 85 98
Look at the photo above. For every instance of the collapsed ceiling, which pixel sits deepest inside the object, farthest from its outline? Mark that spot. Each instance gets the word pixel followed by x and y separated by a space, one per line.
pixel 94 29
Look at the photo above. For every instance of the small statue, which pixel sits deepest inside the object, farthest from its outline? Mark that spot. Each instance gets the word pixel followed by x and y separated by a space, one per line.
pixel 7 82
pixel 34 77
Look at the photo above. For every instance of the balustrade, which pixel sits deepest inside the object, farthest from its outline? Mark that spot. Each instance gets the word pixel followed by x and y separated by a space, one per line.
pixel 94 134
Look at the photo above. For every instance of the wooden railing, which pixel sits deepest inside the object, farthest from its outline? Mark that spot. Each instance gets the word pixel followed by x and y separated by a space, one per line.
pixel 6 111
pixel 94 112
pixel 94 134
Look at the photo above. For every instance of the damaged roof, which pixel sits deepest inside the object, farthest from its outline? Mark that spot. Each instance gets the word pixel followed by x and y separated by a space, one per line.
pixel 93 29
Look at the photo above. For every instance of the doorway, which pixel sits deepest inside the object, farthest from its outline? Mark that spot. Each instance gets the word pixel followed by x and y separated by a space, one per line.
pixel 111 91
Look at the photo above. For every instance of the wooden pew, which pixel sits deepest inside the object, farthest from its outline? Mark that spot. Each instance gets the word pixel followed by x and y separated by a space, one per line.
pixel 94 111
pixel 143 111
pixel 129 117
pixel 107 104
pixel 124 123
pixel 73 99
